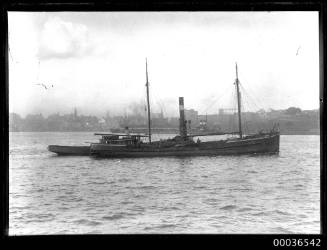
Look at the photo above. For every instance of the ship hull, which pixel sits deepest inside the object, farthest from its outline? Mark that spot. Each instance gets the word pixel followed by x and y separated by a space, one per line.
pixel 267 144
pixel 70 150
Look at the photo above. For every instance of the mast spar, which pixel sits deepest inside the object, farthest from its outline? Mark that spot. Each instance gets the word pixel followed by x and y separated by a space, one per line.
pixel 238 103
pixel 147 98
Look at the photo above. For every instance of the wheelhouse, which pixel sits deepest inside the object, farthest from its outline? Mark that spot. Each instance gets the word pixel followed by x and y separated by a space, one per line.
pixel 121 139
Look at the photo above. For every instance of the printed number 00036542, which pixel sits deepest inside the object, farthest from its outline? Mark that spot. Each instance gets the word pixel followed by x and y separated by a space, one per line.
pixel 296 242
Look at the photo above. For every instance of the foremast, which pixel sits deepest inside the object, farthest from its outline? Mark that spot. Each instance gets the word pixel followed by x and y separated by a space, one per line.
pixel 238 103
pixel 148 99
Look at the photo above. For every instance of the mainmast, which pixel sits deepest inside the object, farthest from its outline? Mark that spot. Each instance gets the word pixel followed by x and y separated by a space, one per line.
pixel 238 103
pixel 147 98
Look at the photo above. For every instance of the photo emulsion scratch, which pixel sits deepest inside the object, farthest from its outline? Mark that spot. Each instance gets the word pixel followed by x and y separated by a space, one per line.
pixel 164 122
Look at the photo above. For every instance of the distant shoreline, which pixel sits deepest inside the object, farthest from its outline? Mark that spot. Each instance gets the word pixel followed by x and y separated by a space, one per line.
pixel 282 133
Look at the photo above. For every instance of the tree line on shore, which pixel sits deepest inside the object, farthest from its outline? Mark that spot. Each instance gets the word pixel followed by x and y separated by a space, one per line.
pixel 291 121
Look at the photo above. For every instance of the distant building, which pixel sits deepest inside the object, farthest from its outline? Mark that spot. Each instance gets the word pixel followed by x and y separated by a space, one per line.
pixel 262 113
pixel 192 115
pixel 203 125
pixel 102 121
pixel 158 120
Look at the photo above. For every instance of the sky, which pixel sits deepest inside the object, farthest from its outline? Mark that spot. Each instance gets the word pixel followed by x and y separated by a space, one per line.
pixel 95 61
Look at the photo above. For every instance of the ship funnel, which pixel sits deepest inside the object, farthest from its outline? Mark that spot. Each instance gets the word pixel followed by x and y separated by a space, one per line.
pixel 182 122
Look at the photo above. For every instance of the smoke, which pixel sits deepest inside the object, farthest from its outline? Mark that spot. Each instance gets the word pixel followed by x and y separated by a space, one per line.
pixel 137 108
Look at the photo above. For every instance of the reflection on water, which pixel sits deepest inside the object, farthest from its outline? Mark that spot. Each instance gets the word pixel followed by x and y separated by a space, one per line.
pixel 217 194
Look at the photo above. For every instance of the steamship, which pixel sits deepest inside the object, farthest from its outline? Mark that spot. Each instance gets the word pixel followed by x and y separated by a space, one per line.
pixel 133 145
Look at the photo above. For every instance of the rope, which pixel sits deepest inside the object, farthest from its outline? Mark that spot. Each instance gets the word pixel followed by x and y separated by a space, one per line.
pixel 214 101
pixel 249 91
pixel 245 105
pixel 260 121
pixel 232 120
pixel 249 97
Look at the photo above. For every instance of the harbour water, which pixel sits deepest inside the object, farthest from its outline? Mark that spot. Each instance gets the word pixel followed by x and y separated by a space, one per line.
pixel 220 195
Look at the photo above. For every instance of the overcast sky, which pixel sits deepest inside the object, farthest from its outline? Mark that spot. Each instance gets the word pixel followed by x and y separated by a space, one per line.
pixel 96 61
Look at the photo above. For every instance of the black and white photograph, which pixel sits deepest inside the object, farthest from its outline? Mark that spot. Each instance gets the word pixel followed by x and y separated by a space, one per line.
pixel 164 122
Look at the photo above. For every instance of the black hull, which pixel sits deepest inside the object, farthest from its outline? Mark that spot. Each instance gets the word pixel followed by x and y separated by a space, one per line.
pixel 267 144
pixel 70 150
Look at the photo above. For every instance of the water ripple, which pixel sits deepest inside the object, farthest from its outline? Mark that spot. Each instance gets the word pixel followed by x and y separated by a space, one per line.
pixel 225 194
pixel 228 207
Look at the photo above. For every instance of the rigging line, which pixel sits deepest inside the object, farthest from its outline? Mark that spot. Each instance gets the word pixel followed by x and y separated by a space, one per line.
pixel 249 97
pixel 260 122
pixel 249 92
pixel 241 110
pixel 244 119
pixel 145 105
pixel 203 110
pixel 258 106
pixel 158 101
pixel 215 101
pixel 154 100
pixel 232 103
pixel 153 96
pixel 210 106
pixel 236 109
pixel 246 104
pixel 228 87
pixel 250 89
pixel 154 104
